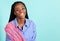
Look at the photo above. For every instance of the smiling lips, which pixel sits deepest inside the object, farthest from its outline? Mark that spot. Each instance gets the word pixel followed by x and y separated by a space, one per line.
pixel 22 15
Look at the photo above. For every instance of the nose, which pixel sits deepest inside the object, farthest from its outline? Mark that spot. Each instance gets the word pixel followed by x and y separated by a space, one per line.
pixel 20 11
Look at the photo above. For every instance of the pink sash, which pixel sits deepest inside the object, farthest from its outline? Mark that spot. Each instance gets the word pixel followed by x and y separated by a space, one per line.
pixel 13 32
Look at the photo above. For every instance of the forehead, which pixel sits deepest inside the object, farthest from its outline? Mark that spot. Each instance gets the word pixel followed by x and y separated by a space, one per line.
pixel 19 5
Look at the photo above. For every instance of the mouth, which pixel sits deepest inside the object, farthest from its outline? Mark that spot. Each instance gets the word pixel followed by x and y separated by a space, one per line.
pixel 22 14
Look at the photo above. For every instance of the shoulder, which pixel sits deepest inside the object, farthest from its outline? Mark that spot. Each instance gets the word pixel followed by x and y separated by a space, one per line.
pixel 30 22
pixel 10 24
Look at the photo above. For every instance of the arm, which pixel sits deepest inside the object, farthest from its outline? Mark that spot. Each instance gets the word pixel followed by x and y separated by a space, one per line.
pixel 7 38
pixel 34 31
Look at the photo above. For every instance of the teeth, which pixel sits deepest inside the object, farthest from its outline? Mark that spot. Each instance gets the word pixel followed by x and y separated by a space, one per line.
pixel 21 14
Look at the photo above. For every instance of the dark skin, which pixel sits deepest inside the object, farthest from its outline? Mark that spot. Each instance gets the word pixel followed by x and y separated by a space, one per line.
pixel 20 12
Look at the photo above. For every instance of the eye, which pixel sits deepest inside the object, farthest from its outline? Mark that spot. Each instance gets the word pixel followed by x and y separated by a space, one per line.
pixel 23 8
pixel 17 10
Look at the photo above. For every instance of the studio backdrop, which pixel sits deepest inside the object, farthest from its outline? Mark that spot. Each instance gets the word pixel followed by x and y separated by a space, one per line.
pixel 45 14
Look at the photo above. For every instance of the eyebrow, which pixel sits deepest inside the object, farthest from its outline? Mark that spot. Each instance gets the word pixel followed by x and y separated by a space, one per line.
pixel 18 8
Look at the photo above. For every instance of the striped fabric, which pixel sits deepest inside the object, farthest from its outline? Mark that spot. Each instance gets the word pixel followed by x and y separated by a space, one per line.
pixel 13 32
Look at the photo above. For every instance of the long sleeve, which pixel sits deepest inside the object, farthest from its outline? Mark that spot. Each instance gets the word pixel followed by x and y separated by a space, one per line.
pixel 7 38
pixel 34 32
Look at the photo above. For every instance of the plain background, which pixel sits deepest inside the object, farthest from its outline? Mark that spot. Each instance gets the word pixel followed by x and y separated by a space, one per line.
pixel 45 14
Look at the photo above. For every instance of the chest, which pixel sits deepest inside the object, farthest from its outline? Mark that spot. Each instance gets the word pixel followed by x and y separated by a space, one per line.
pixel 28 33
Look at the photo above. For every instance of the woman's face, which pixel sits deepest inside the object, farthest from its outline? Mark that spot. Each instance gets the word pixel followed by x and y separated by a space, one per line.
pixel 20 11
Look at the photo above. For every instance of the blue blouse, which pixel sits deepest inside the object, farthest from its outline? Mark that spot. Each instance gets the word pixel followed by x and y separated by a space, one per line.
pixel 29 30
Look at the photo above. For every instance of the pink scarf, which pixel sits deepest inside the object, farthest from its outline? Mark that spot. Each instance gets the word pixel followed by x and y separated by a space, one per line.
pixel 13 32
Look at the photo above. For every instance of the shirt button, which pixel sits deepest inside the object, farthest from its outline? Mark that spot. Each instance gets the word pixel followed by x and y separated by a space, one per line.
pixel 25 25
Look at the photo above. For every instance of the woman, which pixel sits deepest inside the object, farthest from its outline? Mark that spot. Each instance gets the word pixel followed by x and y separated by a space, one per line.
pixel 20 28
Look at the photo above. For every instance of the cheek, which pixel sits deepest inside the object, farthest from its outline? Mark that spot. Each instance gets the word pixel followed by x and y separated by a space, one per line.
pixel 17 12
pixel 25 12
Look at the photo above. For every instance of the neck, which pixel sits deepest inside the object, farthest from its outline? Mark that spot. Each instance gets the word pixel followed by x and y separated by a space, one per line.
pixel 20 21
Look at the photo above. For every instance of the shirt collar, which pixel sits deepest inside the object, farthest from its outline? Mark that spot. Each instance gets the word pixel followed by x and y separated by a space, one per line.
pixel 16 23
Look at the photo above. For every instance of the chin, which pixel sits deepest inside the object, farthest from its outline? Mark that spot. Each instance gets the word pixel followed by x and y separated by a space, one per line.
pixel 22 17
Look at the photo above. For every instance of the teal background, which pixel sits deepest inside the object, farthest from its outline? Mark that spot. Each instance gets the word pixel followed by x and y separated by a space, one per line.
pixel 45 14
